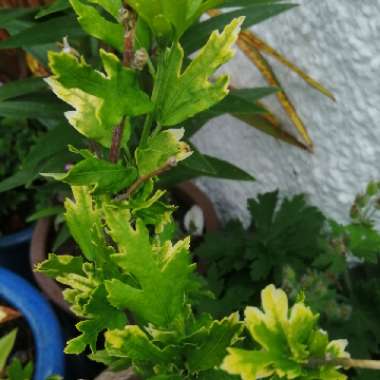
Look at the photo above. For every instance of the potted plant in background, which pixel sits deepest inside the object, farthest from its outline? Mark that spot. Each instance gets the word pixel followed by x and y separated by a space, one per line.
pixel 294 245
pixel 125 228
pixel 15 234
pixel 39 339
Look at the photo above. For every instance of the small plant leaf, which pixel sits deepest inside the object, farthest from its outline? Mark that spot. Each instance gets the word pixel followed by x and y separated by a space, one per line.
pixel 101 175
pixel 184 94
pixel 208 348
pixel 169 19
pixel 85 224
pixel 97 25
pixel 54 7
pixel 44 32
pixel 156 299
pixel 198 34
pixel 6 345
pixel 101 316
pixel 21 87
pixel 60 265
pixel 288 340
pixel 100 101
pixel 161 148
pixel 133 342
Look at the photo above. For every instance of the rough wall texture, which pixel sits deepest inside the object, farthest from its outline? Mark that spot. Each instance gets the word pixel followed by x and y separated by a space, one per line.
pixel 337 42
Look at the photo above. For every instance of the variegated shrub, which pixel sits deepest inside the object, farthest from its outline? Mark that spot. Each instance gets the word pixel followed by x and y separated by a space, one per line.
pixel 133 284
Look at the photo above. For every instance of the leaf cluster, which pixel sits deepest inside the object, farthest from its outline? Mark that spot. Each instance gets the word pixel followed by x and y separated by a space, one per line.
pixel 281 233
pixel 16 139
pixel 12 369
pixel 133 287
pixel 343 293
pixel 289 341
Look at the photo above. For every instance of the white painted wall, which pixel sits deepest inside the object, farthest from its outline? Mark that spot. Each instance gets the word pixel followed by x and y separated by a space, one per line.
pixel 338 43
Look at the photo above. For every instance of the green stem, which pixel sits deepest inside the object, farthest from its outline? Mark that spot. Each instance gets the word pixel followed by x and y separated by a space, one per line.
pixel 146 129
pixel 158 83
pixel 167 166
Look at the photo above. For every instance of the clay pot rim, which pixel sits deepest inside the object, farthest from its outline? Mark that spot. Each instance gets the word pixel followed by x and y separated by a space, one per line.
pixel 39 248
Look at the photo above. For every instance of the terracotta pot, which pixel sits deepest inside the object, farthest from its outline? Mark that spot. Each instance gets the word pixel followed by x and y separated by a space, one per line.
pixel 122 375
pixel 187 193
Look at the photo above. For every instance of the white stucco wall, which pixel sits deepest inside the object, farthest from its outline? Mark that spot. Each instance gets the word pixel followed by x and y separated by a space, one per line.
pixel 338 43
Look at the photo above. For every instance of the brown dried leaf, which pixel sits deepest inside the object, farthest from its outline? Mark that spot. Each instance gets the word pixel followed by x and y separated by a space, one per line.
pixel 258 43
pixel 8 314
pixel 263 66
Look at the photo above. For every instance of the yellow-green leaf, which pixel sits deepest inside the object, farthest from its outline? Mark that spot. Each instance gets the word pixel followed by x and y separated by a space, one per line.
pixel 181 95
pixel 101 100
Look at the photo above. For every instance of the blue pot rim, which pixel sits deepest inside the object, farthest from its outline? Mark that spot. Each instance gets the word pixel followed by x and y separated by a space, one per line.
pixel 48 339
pixel 17 238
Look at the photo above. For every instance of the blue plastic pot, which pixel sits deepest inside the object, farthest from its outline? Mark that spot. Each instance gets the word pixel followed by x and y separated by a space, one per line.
pixel 14 252
pixel 42 321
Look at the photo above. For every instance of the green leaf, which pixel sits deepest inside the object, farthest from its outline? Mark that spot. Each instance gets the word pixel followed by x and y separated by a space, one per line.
pixel 56 6
pixel 98 26
pixel 63 235
pixel 169 19
pixel 197 35
pixel 45 213
pixel 100 101
pixel 184 94
pixel 156 269
pixel 9 15
pixel 85 224
pixel 101 175
pixel 49 153
pixel 43 108
pixel 220 169
pixel 160 149
pixel 21 87
pixel 132 342
pixel 101 316
pixel 216 374
pixel 364 242
pixel 286 234
pixel 243 101
pixel 15 371
pixel 198 162
pixel 207 349
pixel 61 265
pixel 44 32
pixel 6 345
pixel 240 103
pixel 287 339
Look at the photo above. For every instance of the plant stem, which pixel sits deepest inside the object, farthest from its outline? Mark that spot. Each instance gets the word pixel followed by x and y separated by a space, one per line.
pixel 347 363
pixel 146 129
pixel 117 138
pixel 128 55
pixel 167 166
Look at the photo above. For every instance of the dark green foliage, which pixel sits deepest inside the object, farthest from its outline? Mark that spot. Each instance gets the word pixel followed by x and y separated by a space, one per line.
pixel 294 245
pixel 16 138
pixel 241 261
